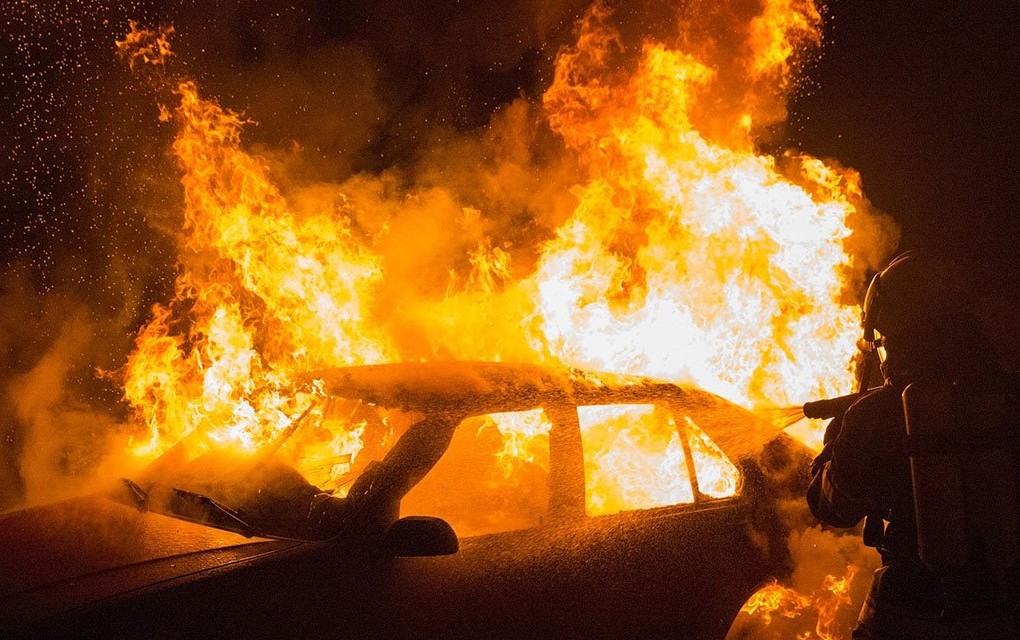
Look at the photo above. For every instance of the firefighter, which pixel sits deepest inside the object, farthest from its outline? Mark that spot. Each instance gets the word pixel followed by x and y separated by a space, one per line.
pixel 929 460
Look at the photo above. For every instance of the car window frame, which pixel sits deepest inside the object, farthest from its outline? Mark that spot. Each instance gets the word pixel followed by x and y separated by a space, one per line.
pixel 566 479
pixel 569 493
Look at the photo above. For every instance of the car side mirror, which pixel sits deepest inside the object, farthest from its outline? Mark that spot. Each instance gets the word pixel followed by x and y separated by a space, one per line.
pixel 418 536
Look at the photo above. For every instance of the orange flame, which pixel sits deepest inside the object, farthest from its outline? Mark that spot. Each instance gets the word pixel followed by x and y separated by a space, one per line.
pixel 825 602
pixel 774 599
pixel 687 259
pixel 268 294
pixel 146 47
pixel 689 256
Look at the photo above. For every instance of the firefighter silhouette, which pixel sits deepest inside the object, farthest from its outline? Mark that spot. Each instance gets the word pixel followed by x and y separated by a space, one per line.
pixel 929 459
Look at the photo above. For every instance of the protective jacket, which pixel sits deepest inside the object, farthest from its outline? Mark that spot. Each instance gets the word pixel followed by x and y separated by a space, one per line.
pixel 864 470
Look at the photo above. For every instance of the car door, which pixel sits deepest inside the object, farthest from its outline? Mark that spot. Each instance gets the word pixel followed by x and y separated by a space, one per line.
pixel 593 548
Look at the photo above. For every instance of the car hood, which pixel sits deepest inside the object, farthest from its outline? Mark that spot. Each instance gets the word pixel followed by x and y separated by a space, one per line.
pixel 72 553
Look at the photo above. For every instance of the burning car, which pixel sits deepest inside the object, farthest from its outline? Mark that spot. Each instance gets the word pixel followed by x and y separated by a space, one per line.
pixel 433 531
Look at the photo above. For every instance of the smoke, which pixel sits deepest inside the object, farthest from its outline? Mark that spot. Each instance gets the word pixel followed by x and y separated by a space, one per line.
pixel 815 603
pixel 63 423
pixel 827 573
pixel 62 429
pixel 62 441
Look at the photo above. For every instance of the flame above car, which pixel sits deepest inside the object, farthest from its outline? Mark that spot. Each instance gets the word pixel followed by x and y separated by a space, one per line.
pixel 685 255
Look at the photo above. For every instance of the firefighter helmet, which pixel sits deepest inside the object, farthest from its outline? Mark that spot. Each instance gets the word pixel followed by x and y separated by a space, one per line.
pixel 909 298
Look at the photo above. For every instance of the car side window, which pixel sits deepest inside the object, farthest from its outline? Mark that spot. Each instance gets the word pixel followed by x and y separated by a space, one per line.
pixel 634 458
pixel 493 478
pixel 717 477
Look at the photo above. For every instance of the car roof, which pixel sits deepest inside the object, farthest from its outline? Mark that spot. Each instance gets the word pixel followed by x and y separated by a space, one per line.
pixel 497 386
pixel 492 387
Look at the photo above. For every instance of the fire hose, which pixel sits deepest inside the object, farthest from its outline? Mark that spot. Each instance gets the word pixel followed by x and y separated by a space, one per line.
pixel 833 407
pixel 829 407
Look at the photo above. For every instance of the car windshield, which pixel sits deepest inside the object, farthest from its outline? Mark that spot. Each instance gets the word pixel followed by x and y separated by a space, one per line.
pixel 294 487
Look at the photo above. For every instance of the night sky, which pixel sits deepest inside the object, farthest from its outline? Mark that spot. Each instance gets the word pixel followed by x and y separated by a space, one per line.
pixel 920 97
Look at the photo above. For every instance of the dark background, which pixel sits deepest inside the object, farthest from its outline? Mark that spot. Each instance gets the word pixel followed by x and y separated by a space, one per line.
pixel 920 97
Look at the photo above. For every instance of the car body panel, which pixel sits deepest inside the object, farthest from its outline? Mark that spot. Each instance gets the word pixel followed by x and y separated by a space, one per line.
pixel 589 579
pixel 674 571
pixel 83 550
